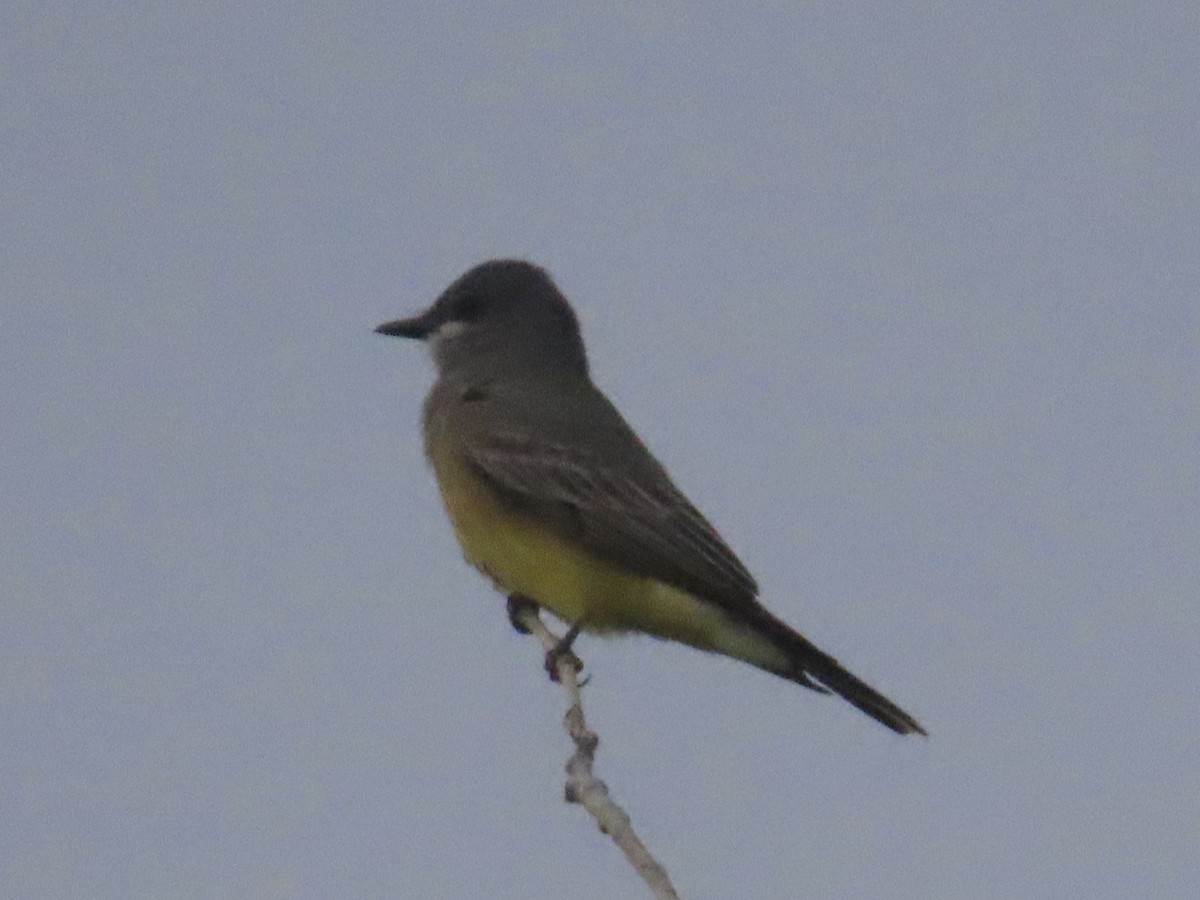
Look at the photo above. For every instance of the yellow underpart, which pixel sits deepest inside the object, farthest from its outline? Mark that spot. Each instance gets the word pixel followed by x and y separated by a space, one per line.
pixel 523 556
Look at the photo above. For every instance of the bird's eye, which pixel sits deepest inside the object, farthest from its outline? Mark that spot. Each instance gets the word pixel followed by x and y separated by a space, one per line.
pixel 468 308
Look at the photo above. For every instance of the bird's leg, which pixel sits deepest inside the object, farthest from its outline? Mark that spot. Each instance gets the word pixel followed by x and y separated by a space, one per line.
pixel 518 606
pixel 561 652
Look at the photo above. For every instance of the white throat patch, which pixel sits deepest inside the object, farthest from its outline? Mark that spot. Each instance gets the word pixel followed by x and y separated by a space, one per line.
pixel 448 331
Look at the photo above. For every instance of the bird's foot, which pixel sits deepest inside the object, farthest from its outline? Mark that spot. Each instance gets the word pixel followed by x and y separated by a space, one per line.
pixel 518 606
pixel 562 653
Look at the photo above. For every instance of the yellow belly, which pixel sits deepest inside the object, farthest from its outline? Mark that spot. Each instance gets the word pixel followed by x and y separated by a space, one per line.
pixel 522 556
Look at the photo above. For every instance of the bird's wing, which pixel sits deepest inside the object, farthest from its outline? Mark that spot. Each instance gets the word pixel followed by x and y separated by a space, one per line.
pixel 610 494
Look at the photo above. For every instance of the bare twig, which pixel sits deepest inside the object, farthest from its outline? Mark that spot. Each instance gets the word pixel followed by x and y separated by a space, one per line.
pixel 582 786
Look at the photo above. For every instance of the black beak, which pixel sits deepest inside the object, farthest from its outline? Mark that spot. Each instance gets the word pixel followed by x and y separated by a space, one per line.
pixel 419 327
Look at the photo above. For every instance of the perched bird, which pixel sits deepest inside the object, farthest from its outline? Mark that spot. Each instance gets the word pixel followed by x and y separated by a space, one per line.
pixel 555 498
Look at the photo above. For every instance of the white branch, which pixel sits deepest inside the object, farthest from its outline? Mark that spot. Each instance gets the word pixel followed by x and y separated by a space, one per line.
pixel 582 786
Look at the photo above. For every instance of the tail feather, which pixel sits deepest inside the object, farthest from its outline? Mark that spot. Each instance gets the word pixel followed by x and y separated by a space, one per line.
pixel 831 674
pixel 808 663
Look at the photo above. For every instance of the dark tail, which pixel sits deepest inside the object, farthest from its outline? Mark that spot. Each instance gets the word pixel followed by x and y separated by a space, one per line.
pixel 830 674
pixel 808 663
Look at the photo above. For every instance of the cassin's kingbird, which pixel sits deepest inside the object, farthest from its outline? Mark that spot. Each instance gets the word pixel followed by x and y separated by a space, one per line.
pixel 556 500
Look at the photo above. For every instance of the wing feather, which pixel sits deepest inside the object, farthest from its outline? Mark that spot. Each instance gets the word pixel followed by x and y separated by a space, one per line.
pixel 621 506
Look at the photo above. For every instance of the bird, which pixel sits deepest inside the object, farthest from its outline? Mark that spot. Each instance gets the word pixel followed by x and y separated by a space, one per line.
pixel 557 501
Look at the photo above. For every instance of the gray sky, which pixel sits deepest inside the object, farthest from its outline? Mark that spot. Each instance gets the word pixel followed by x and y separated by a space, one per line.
pixel 905 295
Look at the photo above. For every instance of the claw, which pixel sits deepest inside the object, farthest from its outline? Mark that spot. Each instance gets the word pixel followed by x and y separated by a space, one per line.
pixel 561 652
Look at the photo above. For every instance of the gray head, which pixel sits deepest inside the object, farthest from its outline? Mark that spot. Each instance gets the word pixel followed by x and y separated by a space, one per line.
pixel 502 314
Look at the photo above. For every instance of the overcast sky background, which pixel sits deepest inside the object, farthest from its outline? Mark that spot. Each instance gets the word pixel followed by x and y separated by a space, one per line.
pixel 906 296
